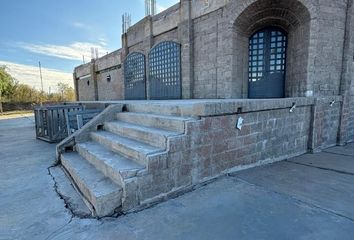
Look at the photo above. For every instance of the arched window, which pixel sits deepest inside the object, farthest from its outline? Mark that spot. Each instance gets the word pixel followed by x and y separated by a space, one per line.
pixel 165 71
pixel 267 64
pixel 135 77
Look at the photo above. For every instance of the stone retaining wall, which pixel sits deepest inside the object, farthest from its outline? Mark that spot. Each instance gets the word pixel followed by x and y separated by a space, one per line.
pixel 213 145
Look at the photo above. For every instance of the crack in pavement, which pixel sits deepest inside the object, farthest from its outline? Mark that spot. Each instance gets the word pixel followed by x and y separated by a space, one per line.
pixel 321 168
pixel 50 236
pixel 67 204
pixel 312 205
pixel 340 154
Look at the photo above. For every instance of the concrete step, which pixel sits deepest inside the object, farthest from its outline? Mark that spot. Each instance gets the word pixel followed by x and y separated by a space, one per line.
pixel 175 108
pixel 153 136
pixel 111 164
pixel 171 123
pixel 100 191
pixel 136 150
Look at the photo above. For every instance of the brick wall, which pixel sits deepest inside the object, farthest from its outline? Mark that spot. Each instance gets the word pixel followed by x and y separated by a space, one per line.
pixel 297 61
pixel 86 89
pixel 167 36
pixel 216 144
pixel 329 48
pixel 100 69
pixel 326 123
pixel 215 43
pixel 205 55
pixel 351 120
pixel 213 145
pixel 113 89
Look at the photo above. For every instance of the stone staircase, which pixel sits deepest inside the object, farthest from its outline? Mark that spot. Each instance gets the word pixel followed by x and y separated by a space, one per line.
pixel 114 168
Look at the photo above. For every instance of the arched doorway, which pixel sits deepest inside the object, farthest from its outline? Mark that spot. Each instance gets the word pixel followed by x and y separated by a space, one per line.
pixel 267 63
pixel 135 77
pixel 293 19
pixel 165 71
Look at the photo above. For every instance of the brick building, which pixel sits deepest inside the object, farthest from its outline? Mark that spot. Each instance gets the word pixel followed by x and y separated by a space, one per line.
pixel 213 40
pixel 284 67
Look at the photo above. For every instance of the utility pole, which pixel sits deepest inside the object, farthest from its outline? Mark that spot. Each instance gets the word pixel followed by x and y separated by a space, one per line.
pixel 40 74
pixel 1 110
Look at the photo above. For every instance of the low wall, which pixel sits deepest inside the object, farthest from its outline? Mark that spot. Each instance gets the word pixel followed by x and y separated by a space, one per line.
pixel 272 130
pixel 214 145
pixel 7 107
pixel 322 114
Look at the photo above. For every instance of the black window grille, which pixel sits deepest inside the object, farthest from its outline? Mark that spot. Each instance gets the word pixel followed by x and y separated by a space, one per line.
pixel 267 63
pixel 135 77
pixel 165 71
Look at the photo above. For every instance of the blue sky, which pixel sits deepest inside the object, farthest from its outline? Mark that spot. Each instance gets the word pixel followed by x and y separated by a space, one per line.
pixel 58 33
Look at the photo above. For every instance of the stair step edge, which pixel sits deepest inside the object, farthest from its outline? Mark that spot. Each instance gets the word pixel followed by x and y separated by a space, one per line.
pixel 101 192
pixel 111 164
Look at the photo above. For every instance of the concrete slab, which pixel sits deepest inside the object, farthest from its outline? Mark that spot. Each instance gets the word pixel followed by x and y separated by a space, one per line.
pixel 29 206
pixel 325 189
pixel 345 150
pixel 226 209
pixel 329 161
pixel 13 115
pixel 27 121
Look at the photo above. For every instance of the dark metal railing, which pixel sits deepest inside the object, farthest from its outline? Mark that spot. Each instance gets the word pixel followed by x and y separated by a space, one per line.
pixel 55 123
pixel 51 125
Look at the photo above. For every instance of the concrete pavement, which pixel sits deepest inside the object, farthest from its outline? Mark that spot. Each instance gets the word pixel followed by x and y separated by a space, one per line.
pixel 308 197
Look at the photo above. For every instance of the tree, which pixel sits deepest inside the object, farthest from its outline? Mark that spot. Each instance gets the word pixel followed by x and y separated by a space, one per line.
pixel 25 93
pixel 12 91
pixel 7 84
pixel 67 93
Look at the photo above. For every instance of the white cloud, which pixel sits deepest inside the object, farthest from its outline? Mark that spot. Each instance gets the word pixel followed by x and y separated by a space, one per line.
pixel 102 41
pixel 74 51
pixel 80 25
pixel 160 8
pixel 29 75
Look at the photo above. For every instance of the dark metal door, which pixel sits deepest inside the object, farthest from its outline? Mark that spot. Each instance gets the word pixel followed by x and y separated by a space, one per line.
pixel 135 77
pixel 267 62
pixel 165 71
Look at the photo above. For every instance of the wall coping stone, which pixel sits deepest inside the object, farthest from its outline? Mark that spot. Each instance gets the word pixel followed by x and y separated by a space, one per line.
pixel 217 107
